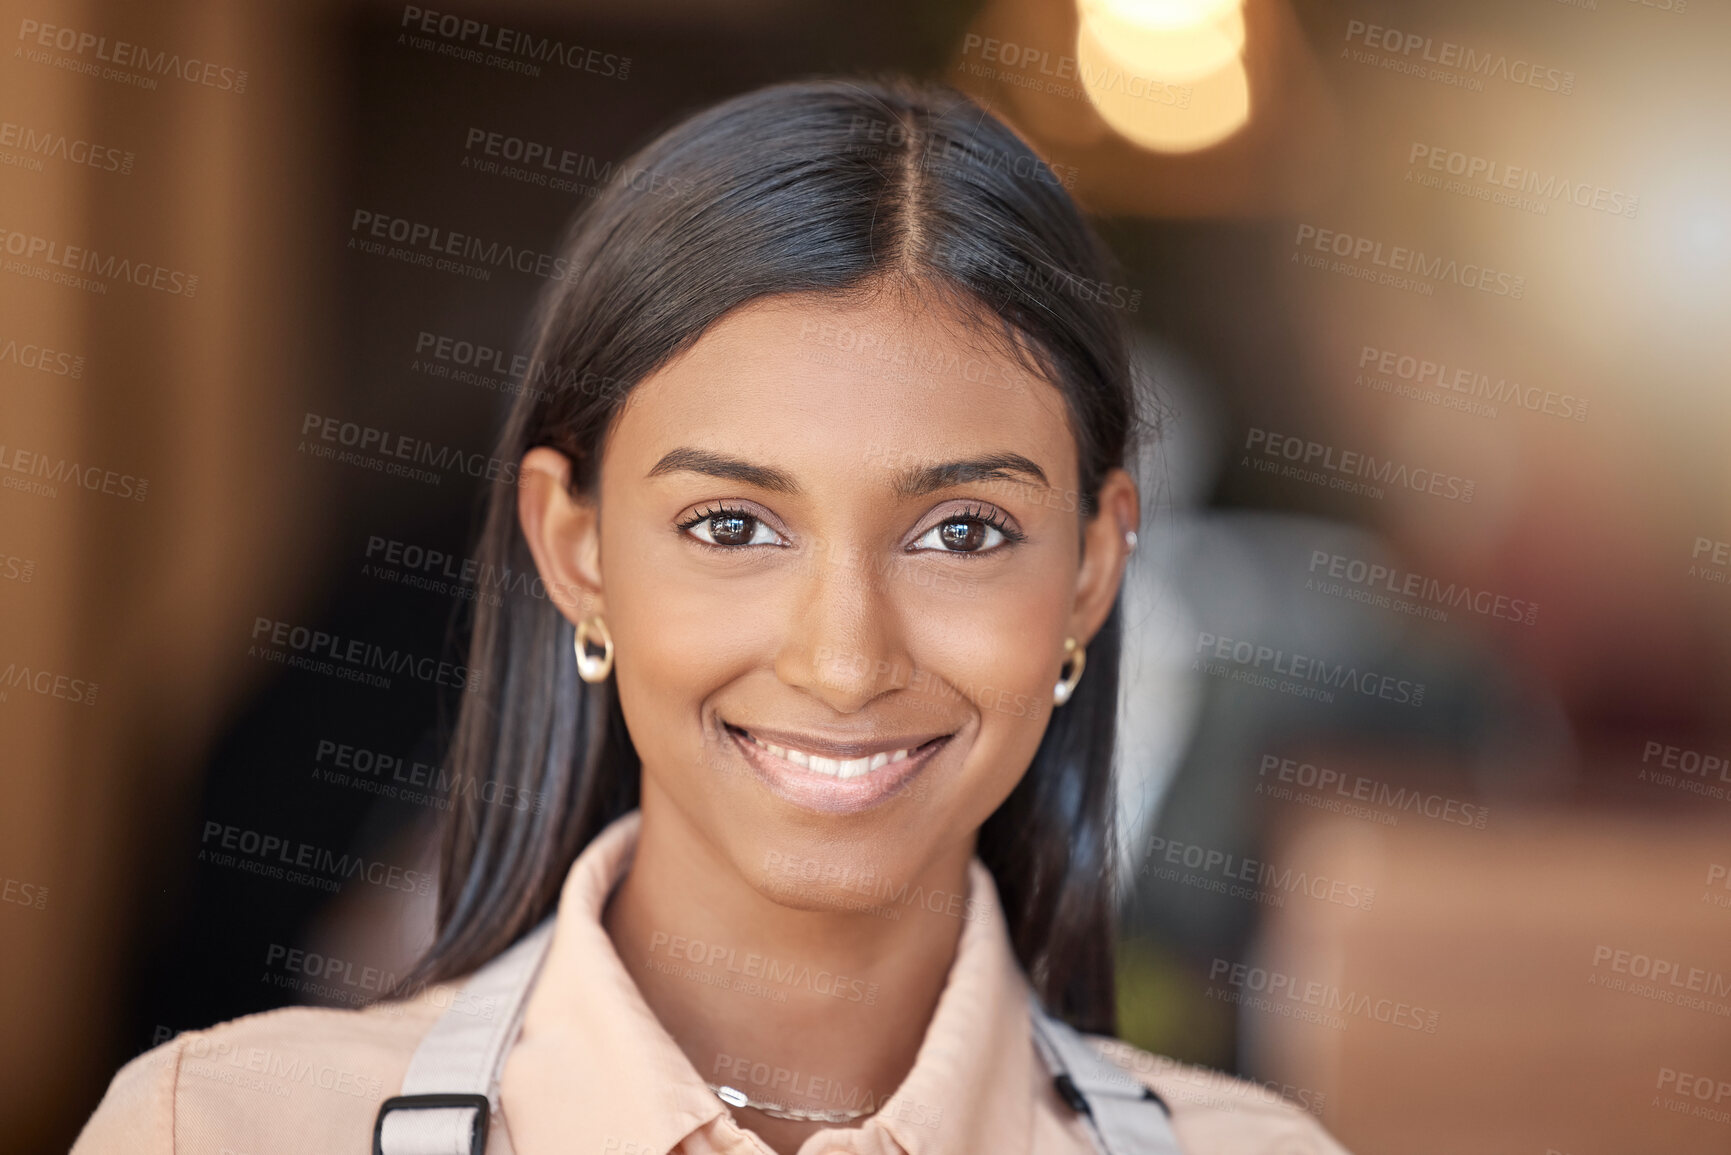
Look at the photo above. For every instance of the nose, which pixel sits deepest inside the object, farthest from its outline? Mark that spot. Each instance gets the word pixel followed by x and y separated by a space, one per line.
pixel 844 641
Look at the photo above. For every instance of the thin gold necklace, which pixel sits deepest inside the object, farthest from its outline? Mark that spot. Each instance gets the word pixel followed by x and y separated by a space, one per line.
pixel 734 1097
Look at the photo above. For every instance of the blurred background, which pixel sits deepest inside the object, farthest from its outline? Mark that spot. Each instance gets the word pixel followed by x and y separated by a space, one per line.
pixel 1430 634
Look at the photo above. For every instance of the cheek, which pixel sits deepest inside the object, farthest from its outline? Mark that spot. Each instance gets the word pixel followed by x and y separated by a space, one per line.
pixel 678 634
pixel 1001 651
pixel 1009 635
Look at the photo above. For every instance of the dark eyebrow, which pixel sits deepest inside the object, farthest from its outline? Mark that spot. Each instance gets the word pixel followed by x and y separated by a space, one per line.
pixel 728 468
pixel 926 479
pixel 917 481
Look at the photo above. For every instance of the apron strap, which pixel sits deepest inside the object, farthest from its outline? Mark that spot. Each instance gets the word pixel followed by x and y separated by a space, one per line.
pixel 1124 1116
pixel 451 1087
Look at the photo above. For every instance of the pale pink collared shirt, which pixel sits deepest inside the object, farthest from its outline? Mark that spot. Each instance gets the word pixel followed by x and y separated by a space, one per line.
pixel 594 1072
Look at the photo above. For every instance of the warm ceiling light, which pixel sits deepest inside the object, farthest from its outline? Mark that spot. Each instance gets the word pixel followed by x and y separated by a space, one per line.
pixel 1172 41
pixel 1149 110
pixel 1164 13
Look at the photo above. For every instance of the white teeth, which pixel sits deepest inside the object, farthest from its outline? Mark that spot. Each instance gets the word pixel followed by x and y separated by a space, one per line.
pixel 834 767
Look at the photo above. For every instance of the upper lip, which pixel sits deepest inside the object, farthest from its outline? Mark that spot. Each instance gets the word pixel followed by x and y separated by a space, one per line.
pixel 862 747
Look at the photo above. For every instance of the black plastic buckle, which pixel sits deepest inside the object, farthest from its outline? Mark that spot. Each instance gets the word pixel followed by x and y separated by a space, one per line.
pixel 1071 1094
pixel 477 1136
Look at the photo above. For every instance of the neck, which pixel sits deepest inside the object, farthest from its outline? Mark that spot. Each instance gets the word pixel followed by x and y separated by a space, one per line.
pixel 806 1009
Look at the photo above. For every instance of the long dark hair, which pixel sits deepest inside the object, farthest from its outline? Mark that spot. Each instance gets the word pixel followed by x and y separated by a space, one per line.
pixel 821 187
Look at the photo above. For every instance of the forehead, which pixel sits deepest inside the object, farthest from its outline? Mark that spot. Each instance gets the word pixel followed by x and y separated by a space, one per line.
pixel 847 386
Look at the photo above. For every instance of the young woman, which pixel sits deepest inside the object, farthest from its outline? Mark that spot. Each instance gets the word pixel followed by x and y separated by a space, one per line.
pixel 823 469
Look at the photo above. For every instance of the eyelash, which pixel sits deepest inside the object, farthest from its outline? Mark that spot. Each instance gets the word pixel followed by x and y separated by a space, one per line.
pixel 981 514
pixel 984 515
pixel 716 509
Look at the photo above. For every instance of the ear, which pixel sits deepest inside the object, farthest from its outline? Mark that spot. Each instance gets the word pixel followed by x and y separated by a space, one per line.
pixel 563 532
pixel 1105 553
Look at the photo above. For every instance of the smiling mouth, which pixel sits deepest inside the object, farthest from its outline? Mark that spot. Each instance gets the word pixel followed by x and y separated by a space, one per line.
pixel 835 767
pixel 834 777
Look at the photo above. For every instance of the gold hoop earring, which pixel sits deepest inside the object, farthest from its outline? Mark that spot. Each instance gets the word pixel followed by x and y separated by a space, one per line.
pixel 589 667
pixel 1077 656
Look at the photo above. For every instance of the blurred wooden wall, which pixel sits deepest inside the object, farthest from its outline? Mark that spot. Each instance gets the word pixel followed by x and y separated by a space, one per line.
pixel 148 599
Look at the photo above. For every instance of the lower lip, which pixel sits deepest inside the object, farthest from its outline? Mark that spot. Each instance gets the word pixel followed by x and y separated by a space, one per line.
pixel 811 790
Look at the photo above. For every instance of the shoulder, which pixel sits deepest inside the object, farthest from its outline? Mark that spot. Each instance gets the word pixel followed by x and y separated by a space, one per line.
pixel 1216 1114
pixel 299 1078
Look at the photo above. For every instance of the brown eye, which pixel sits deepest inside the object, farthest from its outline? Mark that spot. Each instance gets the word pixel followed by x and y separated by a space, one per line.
pixel 963 536
pixel 731 529
pixel 970 532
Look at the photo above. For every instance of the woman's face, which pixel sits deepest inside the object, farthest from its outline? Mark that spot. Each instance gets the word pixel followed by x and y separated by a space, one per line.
pixel 838 548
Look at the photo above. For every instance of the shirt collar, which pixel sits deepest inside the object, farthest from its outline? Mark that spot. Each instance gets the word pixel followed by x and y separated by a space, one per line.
pixel 594 1070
